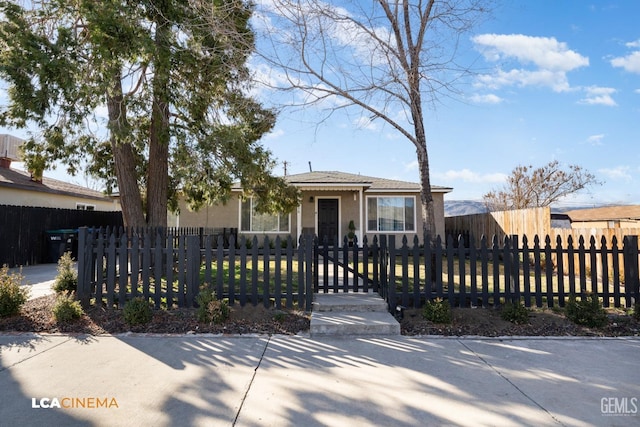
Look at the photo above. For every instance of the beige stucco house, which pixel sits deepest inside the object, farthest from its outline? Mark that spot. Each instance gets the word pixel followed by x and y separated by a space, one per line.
pixel 17 188
pixel 330 201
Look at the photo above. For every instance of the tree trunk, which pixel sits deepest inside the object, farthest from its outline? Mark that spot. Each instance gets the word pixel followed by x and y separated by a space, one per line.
pixel 123 158
pixel 158 173
pixel 426 198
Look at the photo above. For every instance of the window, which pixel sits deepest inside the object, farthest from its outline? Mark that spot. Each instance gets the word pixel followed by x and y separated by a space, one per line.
pixel 250 220
pixel 85 207
pixel 391 214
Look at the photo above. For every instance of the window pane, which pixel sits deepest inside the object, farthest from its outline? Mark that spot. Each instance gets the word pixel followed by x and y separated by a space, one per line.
pixel 252 221
pixel 284 222
pixel 372 212
pixel 264 222
pixel 245 215
pixel 409 214
pixel 390 213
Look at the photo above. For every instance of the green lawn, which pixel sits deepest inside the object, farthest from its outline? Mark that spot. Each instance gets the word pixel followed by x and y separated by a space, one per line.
pixel 455 273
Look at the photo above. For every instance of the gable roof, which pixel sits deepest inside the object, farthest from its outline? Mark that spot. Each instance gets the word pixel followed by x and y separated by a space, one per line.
pixel 607 213
pixel 21 180
pixel 342 179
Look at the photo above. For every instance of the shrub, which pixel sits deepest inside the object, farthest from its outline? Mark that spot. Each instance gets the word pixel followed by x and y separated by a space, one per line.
pixel 586 311
pixel 279 316
pixel 210 309
pixel 515 313
pixel 636 311
pixel 137 311
pixel 67 278
pixel 437 311
pixel 12 296
pixel 67 308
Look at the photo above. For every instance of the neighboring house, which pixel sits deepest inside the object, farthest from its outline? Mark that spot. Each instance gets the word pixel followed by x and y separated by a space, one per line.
pixel 606 217
pixel 330 201
pixel 17 188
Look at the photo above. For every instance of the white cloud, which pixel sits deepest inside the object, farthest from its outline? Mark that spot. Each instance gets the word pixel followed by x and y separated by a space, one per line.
pixel 633 44
pixel 467 175
pixel 595 139
pixel 544 52
pixel 599 96
pixel 366 123
pixel 517 77
pixel 486 99
pixel 617 173
pixel 630 63
pixel 274 134
pixel 411 166
pixel 549 60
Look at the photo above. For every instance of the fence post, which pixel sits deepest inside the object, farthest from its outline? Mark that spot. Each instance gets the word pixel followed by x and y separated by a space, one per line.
pixel 193 268
pixel 84 263
pixel 631 279
pixel 383 265
pixel 391 278
pixel 308 261
pixel 515 268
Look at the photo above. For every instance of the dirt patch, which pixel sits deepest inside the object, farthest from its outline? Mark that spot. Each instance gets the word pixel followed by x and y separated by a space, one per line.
pixel 36 316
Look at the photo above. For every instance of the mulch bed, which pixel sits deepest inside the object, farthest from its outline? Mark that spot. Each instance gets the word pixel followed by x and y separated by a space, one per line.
pixel 36 316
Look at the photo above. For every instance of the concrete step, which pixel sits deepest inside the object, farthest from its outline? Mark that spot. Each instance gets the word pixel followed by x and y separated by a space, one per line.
pixel 350 302
pixel 345 314
pixel 353 323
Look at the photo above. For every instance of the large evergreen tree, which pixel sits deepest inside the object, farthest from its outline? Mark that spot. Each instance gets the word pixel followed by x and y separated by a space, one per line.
pixel 172 78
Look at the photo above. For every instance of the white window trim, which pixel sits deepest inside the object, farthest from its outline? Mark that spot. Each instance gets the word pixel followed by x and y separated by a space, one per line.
pixel 250 231
pixel 84 206
pixel 404 230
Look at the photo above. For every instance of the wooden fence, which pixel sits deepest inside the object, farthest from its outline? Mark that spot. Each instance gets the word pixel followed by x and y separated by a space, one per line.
pixel 522 222
pixel 22 230
pixel 512 270
pixel 593 238
pixel 170 269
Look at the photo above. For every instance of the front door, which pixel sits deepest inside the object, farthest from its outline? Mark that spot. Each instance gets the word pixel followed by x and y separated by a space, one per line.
pixel 328 221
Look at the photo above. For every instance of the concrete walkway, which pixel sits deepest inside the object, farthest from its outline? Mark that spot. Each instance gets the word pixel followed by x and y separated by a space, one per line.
pixel 299 381
pixel 38 278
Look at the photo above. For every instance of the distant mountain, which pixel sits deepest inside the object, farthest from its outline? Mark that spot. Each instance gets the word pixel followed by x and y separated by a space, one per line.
pixel 463 207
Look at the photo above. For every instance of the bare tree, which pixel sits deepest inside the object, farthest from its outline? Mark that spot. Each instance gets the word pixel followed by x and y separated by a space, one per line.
pixel 527 187
pixel 386 58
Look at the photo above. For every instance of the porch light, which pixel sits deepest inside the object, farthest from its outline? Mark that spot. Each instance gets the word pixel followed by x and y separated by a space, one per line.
pixel 311 199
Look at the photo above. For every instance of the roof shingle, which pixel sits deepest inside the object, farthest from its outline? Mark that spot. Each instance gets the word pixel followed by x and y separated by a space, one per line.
pixel 18 179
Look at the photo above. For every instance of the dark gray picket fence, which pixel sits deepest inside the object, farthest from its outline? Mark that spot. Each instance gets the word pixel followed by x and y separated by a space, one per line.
pixel 170 267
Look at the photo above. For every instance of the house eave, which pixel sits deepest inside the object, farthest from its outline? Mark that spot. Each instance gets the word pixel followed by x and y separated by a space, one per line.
pixel 48 190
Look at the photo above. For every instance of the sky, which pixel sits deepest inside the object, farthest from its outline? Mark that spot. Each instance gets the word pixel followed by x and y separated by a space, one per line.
pixel 555 80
